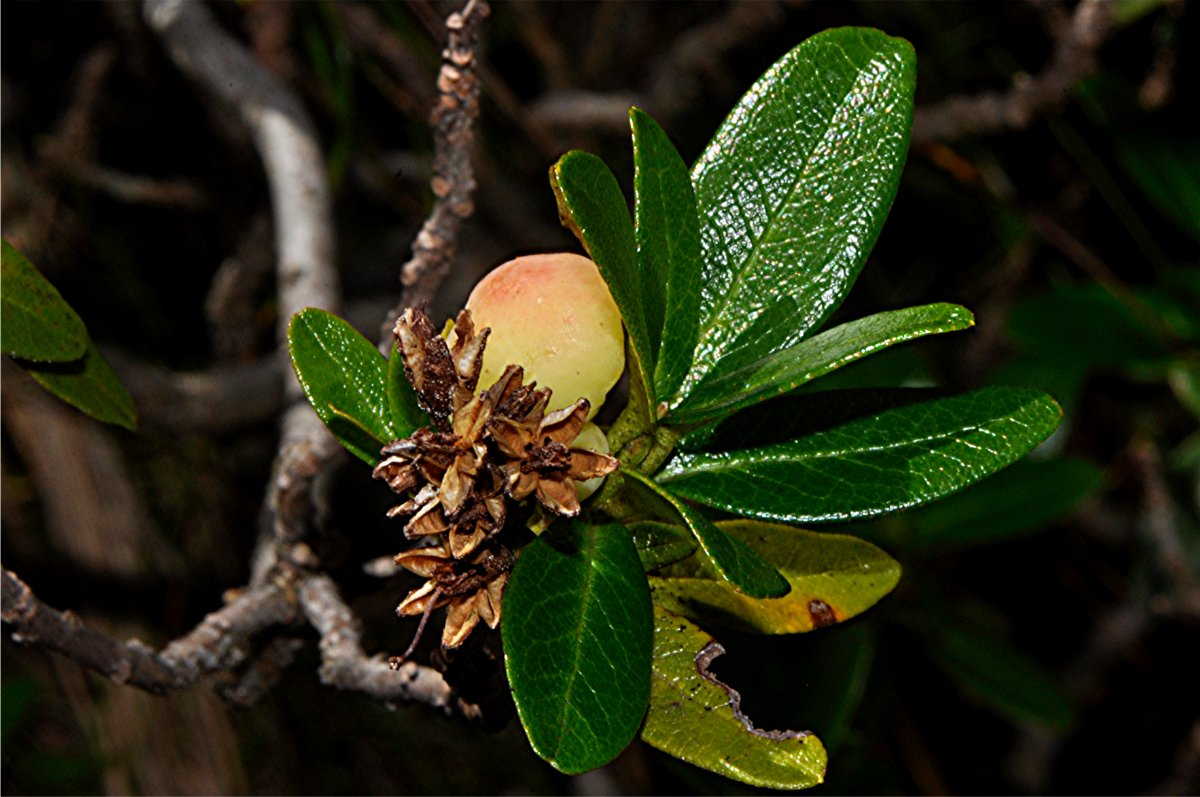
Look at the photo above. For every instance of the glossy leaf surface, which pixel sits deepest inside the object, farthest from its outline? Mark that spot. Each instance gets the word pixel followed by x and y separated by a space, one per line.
pixel 833 577
pixel 577 642
pixel 736 385
pixel 793 190
pixel 901 457
pixel 37 323
pixel 90 385
pixel 338 367
pixel 668 250
pixel 732 560
pixel 592 206
pixel 695 717
pixel 660 544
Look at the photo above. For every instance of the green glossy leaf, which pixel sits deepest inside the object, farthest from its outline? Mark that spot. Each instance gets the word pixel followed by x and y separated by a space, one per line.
pixel 1002 676
pixel 660 544
pixel 405 415
pixel 802 414
pixel 36 323
pixel 833 577
pixel 1019 500
pixel 668 250
pixel 89 385
pixel 736 385
pixel 793 190
pixel 338 367
pixel 899 458
pixel 592 206
pixel 577 641
pixel 695 717
pixel 732 560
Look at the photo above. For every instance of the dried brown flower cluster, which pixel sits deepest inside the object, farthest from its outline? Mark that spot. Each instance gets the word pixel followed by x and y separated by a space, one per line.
pixel 482 451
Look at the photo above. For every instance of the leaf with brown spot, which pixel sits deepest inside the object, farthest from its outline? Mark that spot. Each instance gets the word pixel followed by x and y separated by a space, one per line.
pixel 833 578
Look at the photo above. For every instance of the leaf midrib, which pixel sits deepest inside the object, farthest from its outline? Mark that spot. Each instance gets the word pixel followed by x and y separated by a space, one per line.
pixel 753 256
pixel 352 382
pixel 716 462
pixel 585 594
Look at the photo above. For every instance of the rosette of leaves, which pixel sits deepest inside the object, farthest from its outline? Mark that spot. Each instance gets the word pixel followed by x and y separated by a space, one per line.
pixel 724 276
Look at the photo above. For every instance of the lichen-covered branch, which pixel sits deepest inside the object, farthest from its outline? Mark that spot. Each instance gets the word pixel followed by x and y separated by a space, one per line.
pixel 1073 59
pixel 453 181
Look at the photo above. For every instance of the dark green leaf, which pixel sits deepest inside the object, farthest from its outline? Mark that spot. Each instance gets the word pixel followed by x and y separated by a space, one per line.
pixel 1019 500
pixel 406 416
pixel 731 559
pixel 1174 299
pixel 668 250
pixel 695 717
pixel 838 662
pixel 35 322
pixel 736 385
pixel 592 206
pixel 89 385
pixel 577 642
pixel 793 190
pixel 1167 166
pixel 660 544
pixel 338 367
pixel 802 414
pixel 902 457
pixel 833 577
pixel 1085 324
pixel 1002 676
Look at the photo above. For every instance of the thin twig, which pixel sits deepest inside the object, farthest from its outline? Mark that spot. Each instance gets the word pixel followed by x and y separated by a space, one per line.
pixel 453 180
pixel 344 664
pixel 216 644
pixel 1074 59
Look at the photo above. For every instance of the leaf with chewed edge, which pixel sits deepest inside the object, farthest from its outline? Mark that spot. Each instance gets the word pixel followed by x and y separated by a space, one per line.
pixel 695 717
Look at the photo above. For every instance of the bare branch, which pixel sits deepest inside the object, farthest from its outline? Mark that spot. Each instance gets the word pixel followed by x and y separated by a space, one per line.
pixel 286 141
pixel 346 666
pixel 220 400
pixel 453 180
pixel 585 110
pixel 1073 60
pixel 216 644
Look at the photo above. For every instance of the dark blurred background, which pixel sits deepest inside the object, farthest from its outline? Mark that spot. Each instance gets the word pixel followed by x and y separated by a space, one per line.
pixel 1045 635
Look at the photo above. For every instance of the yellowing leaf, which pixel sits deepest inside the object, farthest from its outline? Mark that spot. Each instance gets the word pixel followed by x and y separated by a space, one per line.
pixel 695 717
pixel 833 578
